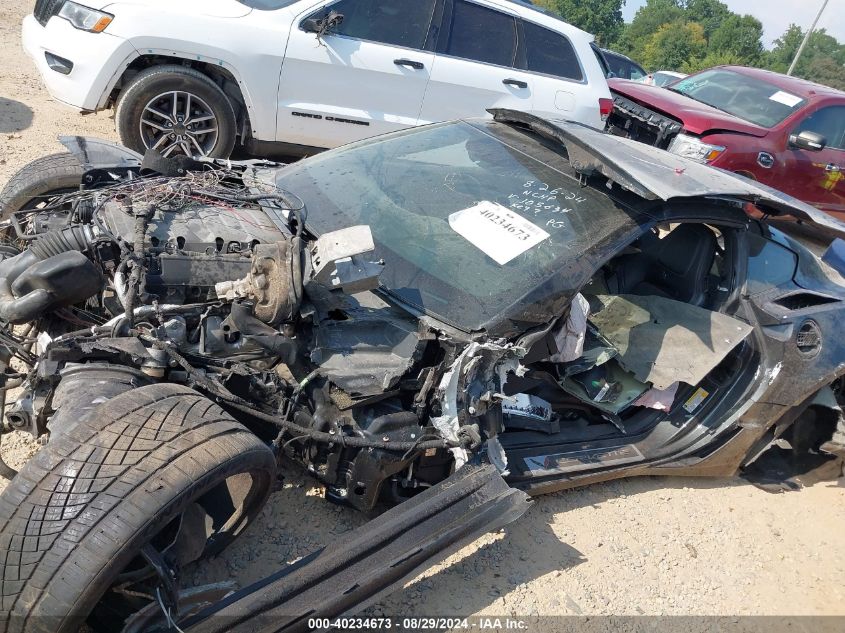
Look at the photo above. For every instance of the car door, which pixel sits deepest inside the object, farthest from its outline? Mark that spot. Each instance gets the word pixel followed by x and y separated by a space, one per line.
pixel 558 78
pixel 817 177
pixel 474 65
pixel 365 76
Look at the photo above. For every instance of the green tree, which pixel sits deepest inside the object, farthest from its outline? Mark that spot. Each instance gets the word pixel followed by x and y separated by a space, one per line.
pixel 740 37
pixel 679 45
pixel 785 48
pixel 710 60
pixel 819 61
pixel 708 13
pixel 826 71
pixel 602 18
pixel 648 19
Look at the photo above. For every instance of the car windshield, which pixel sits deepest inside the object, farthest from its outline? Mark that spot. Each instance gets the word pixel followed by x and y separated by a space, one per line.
pixel 741 95
pixel 469 218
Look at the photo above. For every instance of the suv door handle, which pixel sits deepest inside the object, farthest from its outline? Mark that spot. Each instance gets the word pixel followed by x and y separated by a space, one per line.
pixel 410 63
pixel 833 168
pixel 516 83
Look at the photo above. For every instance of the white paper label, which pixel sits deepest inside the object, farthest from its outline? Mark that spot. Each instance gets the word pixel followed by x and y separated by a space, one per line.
pixel 786 99
pixel 496 230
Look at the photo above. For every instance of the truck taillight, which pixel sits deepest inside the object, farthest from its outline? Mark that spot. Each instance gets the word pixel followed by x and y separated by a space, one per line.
pixel 605 108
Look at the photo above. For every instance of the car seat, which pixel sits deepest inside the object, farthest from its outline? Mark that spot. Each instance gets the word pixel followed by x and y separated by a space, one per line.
pixel 676 267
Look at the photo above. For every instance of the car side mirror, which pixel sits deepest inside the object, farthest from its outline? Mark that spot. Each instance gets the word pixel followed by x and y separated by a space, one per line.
pixel 810 141
pixel 323 25
pixel 311 25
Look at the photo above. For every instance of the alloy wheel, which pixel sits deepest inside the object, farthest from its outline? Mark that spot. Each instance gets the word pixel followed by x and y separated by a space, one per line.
pixel 179 122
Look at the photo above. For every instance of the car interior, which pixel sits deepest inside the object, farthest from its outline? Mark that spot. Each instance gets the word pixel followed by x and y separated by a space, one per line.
pixel 618 386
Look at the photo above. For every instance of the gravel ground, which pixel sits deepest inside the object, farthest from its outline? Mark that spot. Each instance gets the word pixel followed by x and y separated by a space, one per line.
pixel 643 546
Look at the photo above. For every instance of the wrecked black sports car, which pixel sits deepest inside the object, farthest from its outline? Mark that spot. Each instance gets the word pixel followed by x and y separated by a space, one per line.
pixel 437 321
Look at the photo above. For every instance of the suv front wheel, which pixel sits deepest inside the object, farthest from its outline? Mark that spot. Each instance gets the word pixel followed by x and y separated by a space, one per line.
pixel 176 110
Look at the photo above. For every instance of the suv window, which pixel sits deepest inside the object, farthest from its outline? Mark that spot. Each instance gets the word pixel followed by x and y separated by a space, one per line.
pixel 550 53
pixel 830 123
pixel 481 34
pixel 396 22
pixel 622 67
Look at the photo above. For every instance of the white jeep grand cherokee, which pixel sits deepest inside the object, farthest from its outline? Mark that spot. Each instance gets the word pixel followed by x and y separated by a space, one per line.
pixel 292 76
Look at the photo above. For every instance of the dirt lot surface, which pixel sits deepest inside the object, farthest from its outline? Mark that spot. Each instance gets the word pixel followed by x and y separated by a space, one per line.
pixel 645 546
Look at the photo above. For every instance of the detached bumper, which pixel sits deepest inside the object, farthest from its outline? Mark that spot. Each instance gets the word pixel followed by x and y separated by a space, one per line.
pixel 79 68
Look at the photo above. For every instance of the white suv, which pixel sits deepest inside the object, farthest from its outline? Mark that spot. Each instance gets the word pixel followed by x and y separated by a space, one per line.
pixel 292 76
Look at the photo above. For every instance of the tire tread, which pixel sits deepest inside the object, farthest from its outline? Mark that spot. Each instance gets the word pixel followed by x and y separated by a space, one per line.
pixel 48 173
pixel 74 508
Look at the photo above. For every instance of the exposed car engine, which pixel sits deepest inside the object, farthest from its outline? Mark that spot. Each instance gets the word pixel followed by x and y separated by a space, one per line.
pixel 207 278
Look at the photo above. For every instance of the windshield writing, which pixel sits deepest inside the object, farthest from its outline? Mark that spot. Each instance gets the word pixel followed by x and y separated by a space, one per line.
pixel 466 223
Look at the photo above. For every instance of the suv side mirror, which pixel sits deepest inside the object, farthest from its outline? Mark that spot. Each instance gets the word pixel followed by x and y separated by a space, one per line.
pixel 311 25
pixel 323 25
pixel 810 141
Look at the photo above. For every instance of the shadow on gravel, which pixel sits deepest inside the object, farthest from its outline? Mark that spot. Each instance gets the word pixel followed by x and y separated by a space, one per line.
pixel 14 116
pixel 780 470
pixel 524 551
pixel 531 548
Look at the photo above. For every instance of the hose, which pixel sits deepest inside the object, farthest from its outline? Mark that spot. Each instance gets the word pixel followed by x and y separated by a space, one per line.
pixel 45 291
pixel 70 238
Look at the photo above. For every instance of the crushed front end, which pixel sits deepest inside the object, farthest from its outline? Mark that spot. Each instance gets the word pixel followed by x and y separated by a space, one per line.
pixel 206 276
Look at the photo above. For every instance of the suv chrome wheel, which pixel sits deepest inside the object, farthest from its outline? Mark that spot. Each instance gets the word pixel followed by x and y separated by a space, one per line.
pixel 179 122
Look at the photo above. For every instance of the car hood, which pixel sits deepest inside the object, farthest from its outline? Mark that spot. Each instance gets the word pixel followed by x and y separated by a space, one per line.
pixel 213 8
pixel 698 118
pixel 656 174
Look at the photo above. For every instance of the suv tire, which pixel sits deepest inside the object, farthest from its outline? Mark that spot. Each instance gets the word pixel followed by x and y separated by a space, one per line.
pixel 149 109
pixel 81 510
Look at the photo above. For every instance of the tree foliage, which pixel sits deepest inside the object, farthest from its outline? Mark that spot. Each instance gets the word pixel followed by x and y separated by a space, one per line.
pixel 822 61
pixel 708 13
pixel 602 18
pixel 740 36
pixel 691 35
pixel 646 23
pixel 675 45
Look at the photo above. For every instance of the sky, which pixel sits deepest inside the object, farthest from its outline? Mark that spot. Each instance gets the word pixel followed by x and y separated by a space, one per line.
pixel 777 15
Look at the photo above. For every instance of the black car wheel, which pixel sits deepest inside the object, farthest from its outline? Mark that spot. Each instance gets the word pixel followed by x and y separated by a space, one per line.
pixel 99 521
pixel 30 187
pixel 176 110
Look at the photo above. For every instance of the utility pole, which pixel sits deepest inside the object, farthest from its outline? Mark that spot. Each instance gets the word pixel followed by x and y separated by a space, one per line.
pixel 806 39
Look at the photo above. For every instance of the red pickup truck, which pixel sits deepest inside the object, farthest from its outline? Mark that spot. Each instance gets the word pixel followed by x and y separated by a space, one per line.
pixel 782 131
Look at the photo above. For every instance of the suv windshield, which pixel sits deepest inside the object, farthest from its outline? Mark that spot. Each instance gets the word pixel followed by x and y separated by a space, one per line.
pixel 741 95
pixel 469 218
